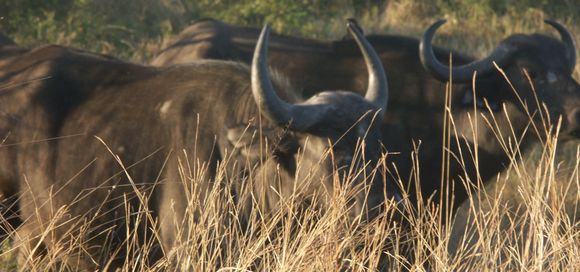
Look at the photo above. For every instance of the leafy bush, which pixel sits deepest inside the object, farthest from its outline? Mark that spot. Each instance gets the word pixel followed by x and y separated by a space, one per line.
pixel 137 28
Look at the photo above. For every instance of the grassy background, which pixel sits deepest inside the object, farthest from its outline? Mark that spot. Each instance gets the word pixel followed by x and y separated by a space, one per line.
pixel 137 29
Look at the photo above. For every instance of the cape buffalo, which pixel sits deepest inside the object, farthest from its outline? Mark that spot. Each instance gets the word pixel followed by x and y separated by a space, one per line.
pixel 91 106
pixel 8 185
pixel 416 114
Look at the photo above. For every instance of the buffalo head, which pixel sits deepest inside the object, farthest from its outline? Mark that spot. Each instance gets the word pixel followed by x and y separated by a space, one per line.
pixel 331 135
pixel 539 69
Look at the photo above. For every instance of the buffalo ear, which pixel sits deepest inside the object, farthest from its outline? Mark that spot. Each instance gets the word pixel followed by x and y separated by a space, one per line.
pixel 245 145
pixel 240 137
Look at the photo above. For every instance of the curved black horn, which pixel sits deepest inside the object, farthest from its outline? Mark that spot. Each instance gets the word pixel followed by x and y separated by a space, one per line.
pixel 378 90
pixel 463 73
pixel 271 106
pixel 568 41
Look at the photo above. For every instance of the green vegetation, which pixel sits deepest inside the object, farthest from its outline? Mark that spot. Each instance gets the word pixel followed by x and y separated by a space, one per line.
pixel 136 29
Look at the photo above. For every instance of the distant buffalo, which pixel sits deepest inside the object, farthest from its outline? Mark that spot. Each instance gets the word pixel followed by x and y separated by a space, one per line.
pixel 8 185
pixel 418 74
pixel 65 127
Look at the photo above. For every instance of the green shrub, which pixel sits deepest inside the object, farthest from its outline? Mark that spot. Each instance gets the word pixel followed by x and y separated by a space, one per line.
pixel 136 29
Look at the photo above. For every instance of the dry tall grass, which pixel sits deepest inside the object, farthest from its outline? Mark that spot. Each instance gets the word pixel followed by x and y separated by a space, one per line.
pixel 526 219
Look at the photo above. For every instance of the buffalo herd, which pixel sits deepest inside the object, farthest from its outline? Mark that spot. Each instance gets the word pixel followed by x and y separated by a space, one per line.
pixel 84 134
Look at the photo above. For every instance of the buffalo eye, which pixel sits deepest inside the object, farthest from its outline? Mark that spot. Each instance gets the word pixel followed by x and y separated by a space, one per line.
pixel 551 77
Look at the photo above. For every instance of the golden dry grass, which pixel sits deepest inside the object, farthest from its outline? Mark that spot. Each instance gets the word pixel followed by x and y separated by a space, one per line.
pixel 526 219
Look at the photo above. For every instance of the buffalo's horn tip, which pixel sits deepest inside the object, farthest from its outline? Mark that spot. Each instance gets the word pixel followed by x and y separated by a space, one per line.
pixel 352 23
pixel 440 22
